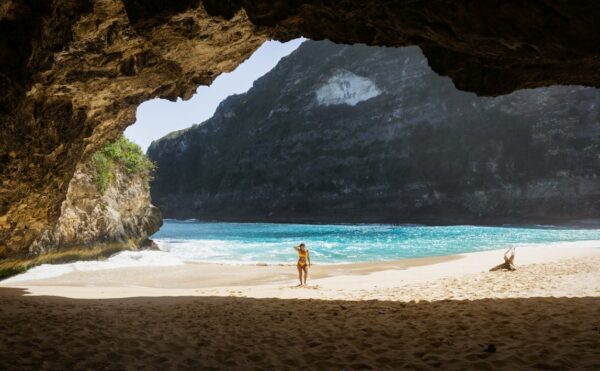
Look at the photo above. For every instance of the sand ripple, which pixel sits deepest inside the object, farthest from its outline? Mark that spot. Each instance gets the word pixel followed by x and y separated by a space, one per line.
pixel 243 333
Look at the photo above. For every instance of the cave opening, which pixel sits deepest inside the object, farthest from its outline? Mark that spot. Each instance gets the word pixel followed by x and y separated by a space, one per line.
pixel 356 133
pixel 336 133
pixel 83 69
pixel 405 154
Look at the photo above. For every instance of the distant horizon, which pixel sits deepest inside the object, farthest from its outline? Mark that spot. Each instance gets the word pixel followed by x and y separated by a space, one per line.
pixel 159 117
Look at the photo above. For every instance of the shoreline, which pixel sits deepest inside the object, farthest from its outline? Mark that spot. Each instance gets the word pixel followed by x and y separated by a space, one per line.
pixel 336 281
pixel 451 313
pixel 527 222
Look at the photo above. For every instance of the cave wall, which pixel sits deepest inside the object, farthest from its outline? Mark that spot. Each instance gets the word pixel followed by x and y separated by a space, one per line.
pixel 72 72
pixel 87 69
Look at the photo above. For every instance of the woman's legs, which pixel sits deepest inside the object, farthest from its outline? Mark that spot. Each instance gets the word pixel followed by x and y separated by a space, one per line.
pixel 300 269
pixel 305 269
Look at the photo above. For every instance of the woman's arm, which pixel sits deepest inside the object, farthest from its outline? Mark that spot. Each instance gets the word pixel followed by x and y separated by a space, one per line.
pixel 296 248
pixel 308 257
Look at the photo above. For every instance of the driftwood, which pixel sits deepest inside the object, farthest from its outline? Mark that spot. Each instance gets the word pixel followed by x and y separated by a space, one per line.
pixel 509 261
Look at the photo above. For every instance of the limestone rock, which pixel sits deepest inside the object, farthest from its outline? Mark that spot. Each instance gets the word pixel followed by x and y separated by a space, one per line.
pixel 369 134
pixel 71 78
pixel 122 216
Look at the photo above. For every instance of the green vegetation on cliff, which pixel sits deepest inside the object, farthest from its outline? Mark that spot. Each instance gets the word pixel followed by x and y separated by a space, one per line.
pixel 95 224
pixel 122 152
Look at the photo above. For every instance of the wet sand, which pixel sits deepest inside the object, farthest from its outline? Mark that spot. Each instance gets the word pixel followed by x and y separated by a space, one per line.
pixel 406 280
pixel 451 315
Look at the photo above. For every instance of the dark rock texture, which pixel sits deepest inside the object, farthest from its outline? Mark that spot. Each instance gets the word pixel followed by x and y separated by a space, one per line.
pixel 75 73
pixel 72 72
pixel 487 47
pixel 356 133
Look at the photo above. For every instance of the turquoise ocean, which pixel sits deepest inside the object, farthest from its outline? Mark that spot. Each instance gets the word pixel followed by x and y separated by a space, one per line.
pixel 268 243
pixel 271 243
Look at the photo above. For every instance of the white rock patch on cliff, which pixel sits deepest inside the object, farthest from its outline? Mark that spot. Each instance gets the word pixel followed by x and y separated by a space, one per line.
pixel 346 88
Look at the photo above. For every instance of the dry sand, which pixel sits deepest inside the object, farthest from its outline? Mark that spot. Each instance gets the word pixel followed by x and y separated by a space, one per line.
pixel 445 313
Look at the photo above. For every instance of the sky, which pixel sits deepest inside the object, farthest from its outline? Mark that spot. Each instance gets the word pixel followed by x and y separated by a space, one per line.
pixel 158 117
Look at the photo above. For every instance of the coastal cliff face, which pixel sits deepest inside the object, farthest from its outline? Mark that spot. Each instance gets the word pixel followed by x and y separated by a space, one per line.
pixel 73 72
pixel 71 78
pixel 107 205
pixel 356 133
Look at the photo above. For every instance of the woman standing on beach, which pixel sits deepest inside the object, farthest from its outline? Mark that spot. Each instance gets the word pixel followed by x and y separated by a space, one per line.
pixel 303 262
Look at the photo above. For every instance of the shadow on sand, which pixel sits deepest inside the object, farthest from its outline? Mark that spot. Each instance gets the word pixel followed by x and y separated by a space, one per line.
pixel 242 333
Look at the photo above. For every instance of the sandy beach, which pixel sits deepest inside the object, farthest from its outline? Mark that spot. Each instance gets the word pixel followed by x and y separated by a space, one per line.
pixel 447 312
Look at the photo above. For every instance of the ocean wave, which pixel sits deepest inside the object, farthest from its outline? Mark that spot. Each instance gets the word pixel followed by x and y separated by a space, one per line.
pixel 125 259
pixel 239 252
pixel 357 248
pixel 199 250
pixel 192 220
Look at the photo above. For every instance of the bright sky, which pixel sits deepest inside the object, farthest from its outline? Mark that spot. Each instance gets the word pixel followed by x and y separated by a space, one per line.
pixel 158 117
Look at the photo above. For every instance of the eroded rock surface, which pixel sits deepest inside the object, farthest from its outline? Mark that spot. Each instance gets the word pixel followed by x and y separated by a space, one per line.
pixel 77 72
pixel 338 133
pixel 73 72
pixel 121 216
pixel 118 215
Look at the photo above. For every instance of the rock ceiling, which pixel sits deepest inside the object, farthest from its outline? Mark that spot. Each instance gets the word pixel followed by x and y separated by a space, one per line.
pixel 73 72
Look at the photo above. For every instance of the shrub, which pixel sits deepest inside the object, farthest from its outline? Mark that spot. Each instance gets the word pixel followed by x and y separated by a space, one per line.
pixel 123 153
pixel 104 171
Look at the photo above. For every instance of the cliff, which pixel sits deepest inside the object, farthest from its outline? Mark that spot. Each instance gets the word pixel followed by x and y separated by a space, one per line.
pixel 356 133
pixel 107 205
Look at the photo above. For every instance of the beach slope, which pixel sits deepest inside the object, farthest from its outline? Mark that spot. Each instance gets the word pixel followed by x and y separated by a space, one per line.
pixel 452 314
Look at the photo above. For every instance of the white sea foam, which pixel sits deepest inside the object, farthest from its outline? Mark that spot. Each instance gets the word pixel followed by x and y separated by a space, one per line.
pixel 227 251
pixel 252 244
pixel 123 259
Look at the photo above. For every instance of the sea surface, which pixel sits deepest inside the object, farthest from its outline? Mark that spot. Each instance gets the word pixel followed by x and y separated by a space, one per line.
pixel 252 243
pixel 268 243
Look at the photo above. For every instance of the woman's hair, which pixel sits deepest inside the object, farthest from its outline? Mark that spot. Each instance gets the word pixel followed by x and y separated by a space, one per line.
pixel 301 245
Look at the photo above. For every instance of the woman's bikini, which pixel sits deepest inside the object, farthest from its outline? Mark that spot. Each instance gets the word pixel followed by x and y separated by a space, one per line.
pixel 302 257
